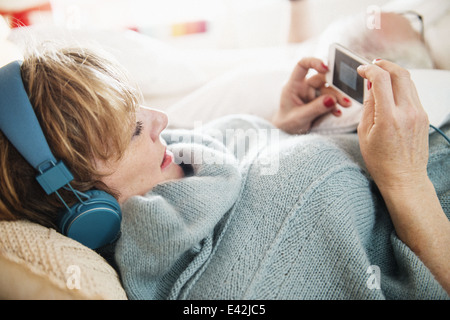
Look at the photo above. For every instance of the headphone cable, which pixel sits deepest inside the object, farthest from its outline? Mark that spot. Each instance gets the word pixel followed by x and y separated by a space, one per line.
pixel 441 133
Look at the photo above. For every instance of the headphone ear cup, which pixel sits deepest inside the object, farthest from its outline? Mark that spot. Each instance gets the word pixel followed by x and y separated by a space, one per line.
pixel 95 222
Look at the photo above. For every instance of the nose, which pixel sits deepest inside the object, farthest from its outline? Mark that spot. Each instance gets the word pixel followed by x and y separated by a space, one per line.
pixel 158 122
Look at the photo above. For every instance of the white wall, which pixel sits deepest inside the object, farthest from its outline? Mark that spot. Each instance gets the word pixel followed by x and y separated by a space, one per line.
pixel 232 23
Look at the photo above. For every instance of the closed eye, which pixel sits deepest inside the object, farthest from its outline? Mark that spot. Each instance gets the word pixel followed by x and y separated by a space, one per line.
pixel 138 130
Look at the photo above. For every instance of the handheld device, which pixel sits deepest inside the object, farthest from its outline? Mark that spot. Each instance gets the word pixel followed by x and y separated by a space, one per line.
pixel 95 219
pixel 343 76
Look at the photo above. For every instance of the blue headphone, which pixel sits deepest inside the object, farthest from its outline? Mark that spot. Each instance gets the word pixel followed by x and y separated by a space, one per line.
pixel 95 220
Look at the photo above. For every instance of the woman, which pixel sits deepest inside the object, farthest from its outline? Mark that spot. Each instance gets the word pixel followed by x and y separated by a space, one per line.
pixel 205 221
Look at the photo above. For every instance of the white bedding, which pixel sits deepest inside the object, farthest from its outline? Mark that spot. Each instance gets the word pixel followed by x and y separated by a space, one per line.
pixel 195 86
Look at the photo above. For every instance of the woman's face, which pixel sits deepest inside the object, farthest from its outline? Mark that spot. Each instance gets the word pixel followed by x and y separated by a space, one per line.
pixel 146 162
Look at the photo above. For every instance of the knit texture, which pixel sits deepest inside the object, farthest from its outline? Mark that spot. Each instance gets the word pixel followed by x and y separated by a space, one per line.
pixel 310 225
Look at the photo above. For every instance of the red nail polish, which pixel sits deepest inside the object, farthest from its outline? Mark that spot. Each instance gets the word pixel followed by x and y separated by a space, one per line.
pixel 347 100
pixel 369 85
pixel 328 102
pixel 338 112
pixel 324 66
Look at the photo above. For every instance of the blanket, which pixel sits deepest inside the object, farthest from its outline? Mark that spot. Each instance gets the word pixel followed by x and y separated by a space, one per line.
pixel 280 217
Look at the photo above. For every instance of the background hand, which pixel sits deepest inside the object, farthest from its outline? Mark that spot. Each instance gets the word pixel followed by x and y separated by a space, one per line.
pixel 299 105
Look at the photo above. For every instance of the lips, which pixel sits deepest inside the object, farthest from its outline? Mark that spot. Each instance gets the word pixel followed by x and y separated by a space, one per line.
pixel 167 159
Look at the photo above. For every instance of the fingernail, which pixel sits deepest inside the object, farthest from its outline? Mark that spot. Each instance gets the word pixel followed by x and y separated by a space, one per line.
pixel 328 102
pixel 347 100
pixel 376 60
pixel 338 112
pixel 324 66
pixel 369 85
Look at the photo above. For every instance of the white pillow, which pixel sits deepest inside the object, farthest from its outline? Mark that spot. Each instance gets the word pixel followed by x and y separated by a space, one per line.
pixel 9 51
pixel 249 90
pixel 433 88
pixel 159 70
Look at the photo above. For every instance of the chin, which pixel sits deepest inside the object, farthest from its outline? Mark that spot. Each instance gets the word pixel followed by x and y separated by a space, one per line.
pixel 173 171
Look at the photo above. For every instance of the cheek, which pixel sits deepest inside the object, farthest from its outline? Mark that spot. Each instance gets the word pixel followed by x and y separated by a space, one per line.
pixel 136 174
pixel 146 170
pixel 150 173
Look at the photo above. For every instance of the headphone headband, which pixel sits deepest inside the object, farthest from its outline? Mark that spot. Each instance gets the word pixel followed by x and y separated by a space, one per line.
pixel 20 125
pixel 94 222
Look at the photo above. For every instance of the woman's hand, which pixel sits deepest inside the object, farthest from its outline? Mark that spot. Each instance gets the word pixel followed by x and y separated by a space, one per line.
pixel 393 135
pixel 393 131
pixel 299 105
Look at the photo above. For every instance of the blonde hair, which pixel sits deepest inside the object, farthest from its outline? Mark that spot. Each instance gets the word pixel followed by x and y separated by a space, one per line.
pixel 86 107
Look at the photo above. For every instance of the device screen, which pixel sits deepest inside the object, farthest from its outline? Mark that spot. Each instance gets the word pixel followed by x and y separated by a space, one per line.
pixel 346 78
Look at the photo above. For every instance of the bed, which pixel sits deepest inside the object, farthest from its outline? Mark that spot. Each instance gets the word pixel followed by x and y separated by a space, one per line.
pixel 192 87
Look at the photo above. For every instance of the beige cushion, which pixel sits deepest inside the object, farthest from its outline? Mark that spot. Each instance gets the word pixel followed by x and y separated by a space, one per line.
pixel 40 263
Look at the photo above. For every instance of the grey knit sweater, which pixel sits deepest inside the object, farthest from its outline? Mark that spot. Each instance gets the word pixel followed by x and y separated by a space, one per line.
pixel 284 217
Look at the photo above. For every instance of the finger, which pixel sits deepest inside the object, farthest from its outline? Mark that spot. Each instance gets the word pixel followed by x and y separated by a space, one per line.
pixel 405 94
pixel 303 66
pixel 341 98
pixel 316 81
pixel 318 107
pixel 380 85
pixel 402 85
pixel 368 115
